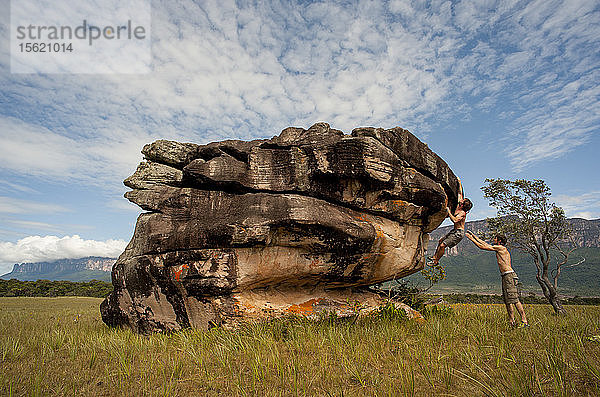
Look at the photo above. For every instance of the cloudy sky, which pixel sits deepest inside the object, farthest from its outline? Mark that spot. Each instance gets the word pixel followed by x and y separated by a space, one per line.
pixel 497 88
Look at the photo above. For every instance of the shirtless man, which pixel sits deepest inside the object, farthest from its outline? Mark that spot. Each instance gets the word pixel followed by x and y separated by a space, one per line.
pixel 510 280
pixel 458 218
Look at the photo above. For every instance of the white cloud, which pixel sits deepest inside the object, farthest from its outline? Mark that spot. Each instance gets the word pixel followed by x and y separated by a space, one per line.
pixel 12 205
pixel 478 213
pixel 586 215
pixel 48 248
pixel 34 225
pixel 122 205
pixel 227 70
pixel 555 74
pixel 585 205
pixel 15 187
pixel 34 150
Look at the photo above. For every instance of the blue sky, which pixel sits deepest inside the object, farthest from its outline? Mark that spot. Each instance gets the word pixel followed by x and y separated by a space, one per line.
pixel 497 88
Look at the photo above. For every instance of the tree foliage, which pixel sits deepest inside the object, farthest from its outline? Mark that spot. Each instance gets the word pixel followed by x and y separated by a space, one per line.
pixel 533 224
pixel 433 273
pixel 47 288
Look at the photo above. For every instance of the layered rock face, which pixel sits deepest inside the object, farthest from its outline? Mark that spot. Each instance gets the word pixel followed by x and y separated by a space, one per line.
pixel 298 223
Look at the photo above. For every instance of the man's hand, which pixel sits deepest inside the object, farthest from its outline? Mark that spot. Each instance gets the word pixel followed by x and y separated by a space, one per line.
pixel 478 242
pixel 449 210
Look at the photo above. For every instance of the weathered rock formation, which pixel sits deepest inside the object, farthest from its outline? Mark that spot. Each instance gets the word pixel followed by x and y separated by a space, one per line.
pixel 295 224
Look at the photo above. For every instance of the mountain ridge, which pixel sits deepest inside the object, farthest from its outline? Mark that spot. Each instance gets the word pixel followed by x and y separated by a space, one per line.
pixel 78 269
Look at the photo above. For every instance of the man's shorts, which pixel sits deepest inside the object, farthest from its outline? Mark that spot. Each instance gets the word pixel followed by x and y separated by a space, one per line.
pixel 510 290
pixel 453 237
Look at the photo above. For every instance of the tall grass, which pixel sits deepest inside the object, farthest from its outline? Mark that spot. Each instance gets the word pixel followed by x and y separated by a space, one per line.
pixel 59 346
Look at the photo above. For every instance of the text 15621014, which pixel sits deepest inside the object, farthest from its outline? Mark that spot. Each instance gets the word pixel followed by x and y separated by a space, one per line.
pixel 46 47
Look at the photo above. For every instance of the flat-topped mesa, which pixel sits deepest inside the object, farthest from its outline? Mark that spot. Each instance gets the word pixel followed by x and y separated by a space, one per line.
pixel 240 230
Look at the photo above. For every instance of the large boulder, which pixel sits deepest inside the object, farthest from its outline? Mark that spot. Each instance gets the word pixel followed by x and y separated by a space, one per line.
pixel 299 223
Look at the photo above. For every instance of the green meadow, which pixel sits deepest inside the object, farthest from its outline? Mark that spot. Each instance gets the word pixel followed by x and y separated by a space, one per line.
pixel 59 346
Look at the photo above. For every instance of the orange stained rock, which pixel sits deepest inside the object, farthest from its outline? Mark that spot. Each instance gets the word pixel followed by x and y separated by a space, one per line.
pixel 314 263
pixel 372 254
pixel 245 307
pixel 399 203
pixel 362 218
pixel 236 304
pixel 177 273
pixel 303 308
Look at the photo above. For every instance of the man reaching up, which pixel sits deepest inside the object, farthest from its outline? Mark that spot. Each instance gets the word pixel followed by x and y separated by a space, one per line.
pixel 458 218
pixel 510 293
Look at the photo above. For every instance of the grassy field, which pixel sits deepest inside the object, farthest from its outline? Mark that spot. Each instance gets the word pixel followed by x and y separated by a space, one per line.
pixel 59 346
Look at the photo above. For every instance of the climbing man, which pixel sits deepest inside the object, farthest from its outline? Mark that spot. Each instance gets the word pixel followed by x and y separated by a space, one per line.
pixel 458 218
pixel 510 292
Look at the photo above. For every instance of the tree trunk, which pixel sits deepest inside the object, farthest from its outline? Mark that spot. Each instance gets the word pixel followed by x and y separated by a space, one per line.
pixel 550 294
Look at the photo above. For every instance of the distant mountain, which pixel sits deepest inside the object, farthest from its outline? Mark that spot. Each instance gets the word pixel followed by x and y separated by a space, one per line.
pixel 83 269
pixel 469 269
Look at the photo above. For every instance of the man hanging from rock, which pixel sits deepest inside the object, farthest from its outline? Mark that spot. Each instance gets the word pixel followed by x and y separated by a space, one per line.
pixel 510 292
pixel 458 218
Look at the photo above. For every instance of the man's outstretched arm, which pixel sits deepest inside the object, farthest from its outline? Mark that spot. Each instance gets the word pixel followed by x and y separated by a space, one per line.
pixel 479 242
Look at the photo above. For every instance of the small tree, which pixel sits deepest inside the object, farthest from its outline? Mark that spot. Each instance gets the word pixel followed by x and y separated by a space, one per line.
pixel 532 224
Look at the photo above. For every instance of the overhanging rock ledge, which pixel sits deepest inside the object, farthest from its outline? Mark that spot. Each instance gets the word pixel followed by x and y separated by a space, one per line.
pixel 300 223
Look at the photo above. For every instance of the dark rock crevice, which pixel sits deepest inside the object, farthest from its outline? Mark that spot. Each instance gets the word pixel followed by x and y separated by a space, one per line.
pixel 234 188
